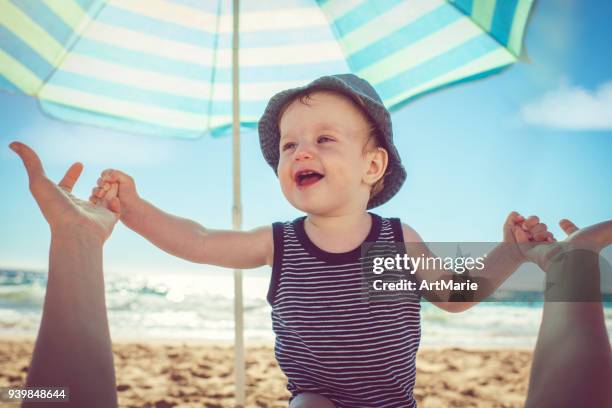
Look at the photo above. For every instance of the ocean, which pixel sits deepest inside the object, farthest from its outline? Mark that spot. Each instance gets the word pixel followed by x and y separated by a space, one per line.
pixel 187 306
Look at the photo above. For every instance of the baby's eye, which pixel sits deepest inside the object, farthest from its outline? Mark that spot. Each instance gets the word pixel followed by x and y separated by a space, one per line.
pixel 288 145
pixel 323 139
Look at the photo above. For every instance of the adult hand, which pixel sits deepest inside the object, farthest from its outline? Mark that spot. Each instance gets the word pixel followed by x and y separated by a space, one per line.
pixel 73 338
pixel 63 211
pixel 595 237
pixel 592 238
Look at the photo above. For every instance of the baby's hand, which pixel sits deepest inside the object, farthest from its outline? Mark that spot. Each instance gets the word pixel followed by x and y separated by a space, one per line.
pixel 519 229
pixel 533 231
pixel 126 191
pixel 525 233
pixel 107 195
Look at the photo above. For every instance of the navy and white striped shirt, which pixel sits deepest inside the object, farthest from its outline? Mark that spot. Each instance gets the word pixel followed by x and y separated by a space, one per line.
pixel 331 339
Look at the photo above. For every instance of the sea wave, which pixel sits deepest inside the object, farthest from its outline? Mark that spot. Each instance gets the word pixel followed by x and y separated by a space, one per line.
pixel 187 306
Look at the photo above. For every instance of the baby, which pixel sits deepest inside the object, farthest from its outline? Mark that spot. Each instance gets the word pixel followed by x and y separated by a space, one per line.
pixel 331 145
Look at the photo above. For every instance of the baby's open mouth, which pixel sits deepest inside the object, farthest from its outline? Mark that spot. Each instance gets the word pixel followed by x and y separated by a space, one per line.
pixel 305 178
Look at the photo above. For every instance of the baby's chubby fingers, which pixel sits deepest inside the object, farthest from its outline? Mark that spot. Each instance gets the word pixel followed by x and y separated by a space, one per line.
pixel 126 186
pixel 539 233
pixel 101 183
pixel 115 206
pixel 99 192
pixel 111 201
pixel 530 222
pixel 538 228
pixel 115 176
pixel 544 236
pixel 513 230
pixel 513 219
pixel 107 174
pixel 111 191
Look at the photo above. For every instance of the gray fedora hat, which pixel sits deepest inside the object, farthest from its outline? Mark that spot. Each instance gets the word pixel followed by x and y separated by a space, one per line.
pixel 355 88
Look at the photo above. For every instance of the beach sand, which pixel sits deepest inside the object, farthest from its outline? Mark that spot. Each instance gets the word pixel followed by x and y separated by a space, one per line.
pixel 175 374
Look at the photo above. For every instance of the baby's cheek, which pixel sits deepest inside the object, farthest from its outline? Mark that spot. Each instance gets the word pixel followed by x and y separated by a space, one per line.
pixel 285 181
pixel 349 174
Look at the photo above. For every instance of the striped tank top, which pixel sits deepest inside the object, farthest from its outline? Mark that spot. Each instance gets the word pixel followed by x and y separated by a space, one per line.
pixel 332 340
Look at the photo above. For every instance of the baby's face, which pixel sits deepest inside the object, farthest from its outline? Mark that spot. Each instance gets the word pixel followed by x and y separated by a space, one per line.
pixel 322 165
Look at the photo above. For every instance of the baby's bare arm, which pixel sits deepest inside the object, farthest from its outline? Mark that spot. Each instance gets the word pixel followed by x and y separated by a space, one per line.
pixel 185 238
pixel 191 241
pixel 415 247
pixel 500 262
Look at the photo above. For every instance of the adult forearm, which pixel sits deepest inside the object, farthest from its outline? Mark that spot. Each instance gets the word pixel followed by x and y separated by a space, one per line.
pixel 572 337
pixel 73 348
pixel 176 235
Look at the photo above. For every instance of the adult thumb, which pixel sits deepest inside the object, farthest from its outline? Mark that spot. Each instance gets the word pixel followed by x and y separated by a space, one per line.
pixel 30 160
pixel 568 226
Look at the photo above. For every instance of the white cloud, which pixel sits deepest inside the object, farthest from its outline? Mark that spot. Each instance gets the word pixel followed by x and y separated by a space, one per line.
pixel 572 108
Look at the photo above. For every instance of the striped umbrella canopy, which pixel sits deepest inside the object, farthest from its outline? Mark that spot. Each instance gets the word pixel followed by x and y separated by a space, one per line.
pixel 164 66
pixel 170 67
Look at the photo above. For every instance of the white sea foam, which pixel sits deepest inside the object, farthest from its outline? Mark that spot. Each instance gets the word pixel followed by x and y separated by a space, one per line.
pixel 200 307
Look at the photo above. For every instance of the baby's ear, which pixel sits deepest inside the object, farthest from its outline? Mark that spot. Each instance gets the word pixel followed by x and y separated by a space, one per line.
pixel 378 160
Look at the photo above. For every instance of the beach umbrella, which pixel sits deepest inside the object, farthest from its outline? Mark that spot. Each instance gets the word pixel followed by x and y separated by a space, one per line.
pixel 190 68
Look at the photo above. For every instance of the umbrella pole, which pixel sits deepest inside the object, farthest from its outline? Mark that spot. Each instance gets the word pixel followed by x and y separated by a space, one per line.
pixel 237 211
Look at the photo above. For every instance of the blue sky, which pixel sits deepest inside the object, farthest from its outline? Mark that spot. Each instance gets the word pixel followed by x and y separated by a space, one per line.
pixel 536 138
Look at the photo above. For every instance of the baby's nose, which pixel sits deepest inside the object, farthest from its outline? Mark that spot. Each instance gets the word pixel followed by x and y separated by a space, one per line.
pixel 303 153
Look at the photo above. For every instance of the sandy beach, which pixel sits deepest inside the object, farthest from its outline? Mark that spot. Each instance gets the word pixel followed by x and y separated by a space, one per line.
pixel 174 374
